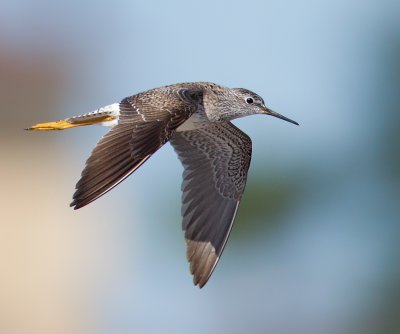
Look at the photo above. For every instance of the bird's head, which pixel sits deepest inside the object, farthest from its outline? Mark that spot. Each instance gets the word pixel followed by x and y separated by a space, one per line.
pixel 249 103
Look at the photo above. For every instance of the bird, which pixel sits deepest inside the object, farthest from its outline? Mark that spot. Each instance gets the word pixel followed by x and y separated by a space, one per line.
pixel 195 118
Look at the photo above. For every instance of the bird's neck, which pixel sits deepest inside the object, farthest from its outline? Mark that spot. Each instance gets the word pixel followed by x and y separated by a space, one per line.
pixel 218 107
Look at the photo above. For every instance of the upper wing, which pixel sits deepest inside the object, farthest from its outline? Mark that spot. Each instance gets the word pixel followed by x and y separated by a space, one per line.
pixel 145 122
pixel 216 160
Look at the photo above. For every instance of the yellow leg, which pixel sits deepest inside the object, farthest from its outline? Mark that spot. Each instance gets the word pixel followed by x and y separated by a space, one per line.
pixel 65 124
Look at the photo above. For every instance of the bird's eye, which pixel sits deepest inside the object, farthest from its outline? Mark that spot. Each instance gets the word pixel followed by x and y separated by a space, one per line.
pixel 249 100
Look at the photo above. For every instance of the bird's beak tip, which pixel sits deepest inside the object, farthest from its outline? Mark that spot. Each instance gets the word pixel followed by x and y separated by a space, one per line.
pixel 277 115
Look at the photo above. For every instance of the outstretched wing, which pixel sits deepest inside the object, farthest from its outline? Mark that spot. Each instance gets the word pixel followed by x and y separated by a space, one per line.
pixel 216 160
pixel 145 123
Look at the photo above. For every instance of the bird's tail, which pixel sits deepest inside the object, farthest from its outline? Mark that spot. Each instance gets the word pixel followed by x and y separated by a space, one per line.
pixel 107 116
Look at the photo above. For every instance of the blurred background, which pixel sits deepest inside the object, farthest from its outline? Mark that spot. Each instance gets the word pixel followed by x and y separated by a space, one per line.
pixel 315 247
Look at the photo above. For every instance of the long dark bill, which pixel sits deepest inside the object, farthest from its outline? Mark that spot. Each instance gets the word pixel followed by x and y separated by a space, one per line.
pixel 275 114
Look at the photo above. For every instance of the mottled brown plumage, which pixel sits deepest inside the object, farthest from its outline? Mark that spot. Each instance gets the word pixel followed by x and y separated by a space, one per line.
pixel 195 118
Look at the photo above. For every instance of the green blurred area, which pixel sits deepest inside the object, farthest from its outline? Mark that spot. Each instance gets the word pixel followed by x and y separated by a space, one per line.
pixel 267 201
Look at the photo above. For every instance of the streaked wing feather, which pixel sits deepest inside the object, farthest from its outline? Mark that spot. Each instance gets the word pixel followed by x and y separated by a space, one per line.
pixel 105 169
pixel 146 122
pixel 216 161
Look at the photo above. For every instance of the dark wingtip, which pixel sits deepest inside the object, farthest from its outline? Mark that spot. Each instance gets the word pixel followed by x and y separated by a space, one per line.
pixel 75 205
pixel 199 281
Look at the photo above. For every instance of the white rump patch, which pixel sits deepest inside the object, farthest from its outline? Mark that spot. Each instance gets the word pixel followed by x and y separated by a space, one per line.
pixel 111 110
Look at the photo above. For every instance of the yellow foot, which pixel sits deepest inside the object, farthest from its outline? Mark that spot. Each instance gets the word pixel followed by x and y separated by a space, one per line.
pixel 65 124
pixel 59 125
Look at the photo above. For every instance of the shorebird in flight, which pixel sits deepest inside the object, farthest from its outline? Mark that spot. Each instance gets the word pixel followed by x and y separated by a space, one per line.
pixel 195 119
